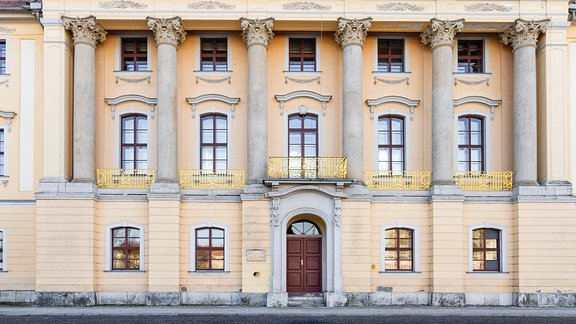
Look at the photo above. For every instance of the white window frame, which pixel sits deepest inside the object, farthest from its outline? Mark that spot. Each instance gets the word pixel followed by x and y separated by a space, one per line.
pixel 7 40
pixel 486 117
pixel 287 71
pixel 4 172
pixel 198 126
pixel 226 230
pixel 415 248
pixel 393 112
pixel 406 56
pixel 119 53
pixel 4 246
pixel 198 51
pixel 109 228
pixel 503 248
pixel 485 59
pixel 319 119
pixel 118 132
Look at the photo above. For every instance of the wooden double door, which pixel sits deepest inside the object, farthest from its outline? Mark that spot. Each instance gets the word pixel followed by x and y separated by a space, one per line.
pixel 304 263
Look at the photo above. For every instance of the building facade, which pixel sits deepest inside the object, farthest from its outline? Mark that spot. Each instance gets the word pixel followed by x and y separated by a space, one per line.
pixel 254 152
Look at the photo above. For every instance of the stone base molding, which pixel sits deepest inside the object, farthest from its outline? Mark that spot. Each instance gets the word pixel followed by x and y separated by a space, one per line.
pixel 343 299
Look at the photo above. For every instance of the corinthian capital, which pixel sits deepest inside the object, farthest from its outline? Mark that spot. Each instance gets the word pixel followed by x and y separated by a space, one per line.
pixel 167 30
pixel 84 30
pixel 256 31
pixel 441 32
pixel 524 33
pixel 352 31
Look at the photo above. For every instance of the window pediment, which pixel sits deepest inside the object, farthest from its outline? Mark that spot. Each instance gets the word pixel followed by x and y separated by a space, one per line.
pixel 8 115
pixel 113 102
pixel 479 99
pixel 213 97
pixel 303 94
pixel 410 103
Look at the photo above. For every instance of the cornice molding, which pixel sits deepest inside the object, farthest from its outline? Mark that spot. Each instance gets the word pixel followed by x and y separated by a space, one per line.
pixel 84 30
pixel 257 31
pixel 441 32
pixel 8 115
pixel 113 102
pixel 399 6
pixel 352 31
pixel 303 94
pixel 304 5
pixel 210 5
pixel 122 4
pixel 524 33
pixel 488 7
pixel 166 30
pixel 479 99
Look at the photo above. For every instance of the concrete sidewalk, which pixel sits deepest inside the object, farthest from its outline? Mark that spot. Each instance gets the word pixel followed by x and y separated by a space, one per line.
pixel 300 311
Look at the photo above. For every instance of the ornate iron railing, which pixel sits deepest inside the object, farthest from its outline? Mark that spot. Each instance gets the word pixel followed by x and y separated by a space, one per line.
pixel 482 180
pixel 398 180
pixel 212 179
pixel 118 178
pixel 307 167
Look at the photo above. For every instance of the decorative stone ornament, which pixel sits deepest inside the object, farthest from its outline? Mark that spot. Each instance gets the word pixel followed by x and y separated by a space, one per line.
pixel 352 31
pixel 167 30
pixel 84 30
pixel 256 31
pixel 441 32
pixel 524 33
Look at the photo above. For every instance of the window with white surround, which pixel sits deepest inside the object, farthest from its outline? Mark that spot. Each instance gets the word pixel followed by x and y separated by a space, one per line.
pixel 2 153
pixel 209 247
pixel 302 54
pixel 471 143
pixel 2 250
pixel 391 143
pixel 3 57
pixel 124 247
pixel 134 142
pixel 133 53
pixel 214 142
pixel 471 56
pixel 487 248
pixel 213 54
pixel 400 248
pixel 391 55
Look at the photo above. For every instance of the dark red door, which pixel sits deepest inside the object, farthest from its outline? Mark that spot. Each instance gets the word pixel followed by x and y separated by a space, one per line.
pixel 304 262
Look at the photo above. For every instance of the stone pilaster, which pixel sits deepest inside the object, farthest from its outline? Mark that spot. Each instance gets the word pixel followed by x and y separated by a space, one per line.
pixel 351 34
pixel 523 37
pixel 257 34
pixel 440 37
pixel 86 34
pixel 168 33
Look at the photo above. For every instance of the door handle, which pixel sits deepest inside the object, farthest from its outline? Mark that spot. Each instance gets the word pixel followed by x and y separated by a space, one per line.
pixel 301 262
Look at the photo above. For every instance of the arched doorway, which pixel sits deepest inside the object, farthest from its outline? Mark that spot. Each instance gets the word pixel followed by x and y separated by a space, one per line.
pixel 303 256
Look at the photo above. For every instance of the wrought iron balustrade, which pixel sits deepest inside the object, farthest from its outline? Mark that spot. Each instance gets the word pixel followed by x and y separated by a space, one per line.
pixel 118 178
pixel 398 180
pixel 212 179
pixel 307 167
pixel 484 180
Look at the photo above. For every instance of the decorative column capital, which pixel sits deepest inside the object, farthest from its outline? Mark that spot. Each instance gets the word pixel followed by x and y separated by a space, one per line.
pixel 524 33
pixel 441 32
pixel 84 30
pixel 352 31
pixel 256 31
pixel 166 30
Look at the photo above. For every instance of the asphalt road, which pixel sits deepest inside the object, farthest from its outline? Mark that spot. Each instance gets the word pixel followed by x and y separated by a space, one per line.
pixel 277 319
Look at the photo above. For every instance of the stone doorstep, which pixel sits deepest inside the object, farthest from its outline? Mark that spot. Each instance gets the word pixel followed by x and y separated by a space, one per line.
pixel 306 300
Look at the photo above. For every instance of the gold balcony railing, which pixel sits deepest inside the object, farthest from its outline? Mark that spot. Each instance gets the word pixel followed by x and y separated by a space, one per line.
pixel 307 167
pixel 482 180
pixel 118 178
pixel 398 180
pixel 212 179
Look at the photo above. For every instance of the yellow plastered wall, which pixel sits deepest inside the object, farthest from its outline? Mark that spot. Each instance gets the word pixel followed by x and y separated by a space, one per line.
pixel 19 226
pixel 212 214
pixel 356 246
pixel 256 235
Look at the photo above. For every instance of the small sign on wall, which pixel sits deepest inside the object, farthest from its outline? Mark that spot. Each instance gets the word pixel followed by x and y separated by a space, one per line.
pixel 255 255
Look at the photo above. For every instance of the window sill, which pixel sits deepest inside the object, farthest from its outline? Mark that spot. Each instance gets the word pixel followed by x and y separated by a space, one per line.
pixel 488 273
pixel 391 74
pixel 471 75
pixel 209 272
pixel 302 73
pixel 400 273
pixel 135 73
pixel 213 73
pixel 125 272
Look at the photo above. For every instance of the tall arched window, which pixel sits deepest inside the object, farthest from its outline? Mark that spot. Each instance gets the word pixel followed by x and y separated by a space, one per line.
pixel 391 143
pixel 125 248
pixel 470 143
pixel 134 142
pixel 214 142
pixel 303 135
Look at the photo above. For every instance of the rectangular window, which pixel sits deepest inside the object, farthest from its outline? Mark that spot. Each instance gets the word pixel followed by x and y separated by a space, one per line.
pixel 2 154
pixel 214 54
pixel 470 143
pixel 134 54
pixel 2 56
pixel 210 248
pixel 391 55
pixel 399 249
pixel 391 143
pixel 302 55
pixel 470 56
pixel 134 142
pixel 486 249
pixel 214 142
pixel 125 248
pixel 2 250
